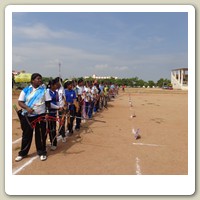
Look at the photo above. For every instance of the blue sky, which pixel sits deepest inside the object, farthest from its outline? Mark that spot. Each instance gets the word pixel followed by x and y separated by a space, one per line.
pixel 143 44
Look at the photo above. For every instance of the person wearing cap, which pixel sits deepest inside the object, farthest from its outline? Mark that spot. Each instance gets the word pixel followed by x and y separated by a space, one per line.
pixel 70 97
pixel 34 101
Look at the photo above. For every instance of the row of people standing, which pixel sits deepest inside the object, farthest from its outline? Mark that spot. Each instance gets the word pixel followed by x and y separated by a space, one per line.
pixel 80 100
pixel 37 101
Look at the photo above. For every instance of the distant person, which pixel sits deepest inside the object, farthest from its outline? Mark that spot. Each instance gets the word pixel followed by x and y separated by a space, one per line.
pixel 79 92
pixel 70 96
pixel 106 90
pixel 96 92
pixel 61 103
pixel 34 101
pixel 112 90
pixel 88 109
pixel 51 88
pixel 123 88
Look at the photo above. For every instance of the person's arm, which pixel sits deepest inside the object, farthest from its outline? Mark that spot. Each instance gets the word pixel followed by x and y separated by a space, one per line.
pixel 47 101
pixel 21 102
pixel 56 107
pixel 48 106
pixel 75 102
pixel 24 106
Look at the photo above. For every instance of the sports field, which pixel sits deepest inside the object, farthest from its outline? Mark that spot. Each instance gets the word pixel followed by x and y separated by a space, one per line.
pixel 107 145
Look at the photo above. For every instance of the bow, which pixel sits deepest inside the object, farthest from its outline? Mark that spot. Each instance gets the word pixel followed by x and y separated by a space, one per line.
pixel 19 114
pixel 45 118
pixel 62 118
pixel 92 119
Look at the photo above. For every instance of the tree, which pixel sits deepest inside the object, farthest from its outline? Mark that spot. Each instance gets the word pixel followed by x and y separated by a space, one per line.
pixel 151 83
pixel 162 82
pixel 46 80
pixel 89 79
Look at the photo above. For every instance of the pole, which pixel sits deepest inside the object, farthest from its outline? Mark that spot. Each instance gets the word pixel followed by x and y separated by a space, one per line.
pixel 59 70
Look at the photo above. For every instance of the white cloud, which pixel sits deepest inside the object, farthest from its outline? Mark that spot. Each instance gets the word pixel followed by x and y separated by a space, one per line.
pixel 40 31
pixel 45 58
pixel 106 67
pixel 49 51
pixel 101 66
pixel 121 68
pixel 18 58
pixel 154 39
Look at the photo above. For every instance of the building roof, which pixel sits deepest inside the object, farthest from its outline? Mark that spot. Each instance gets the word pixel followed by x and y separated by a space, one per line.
pixel 186 69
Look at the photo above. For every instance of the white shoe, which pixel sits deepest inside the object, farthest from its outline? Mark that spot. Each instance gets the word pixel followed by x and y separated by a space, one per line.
pixel 53 148
pixel 63 139
pixel 43 157
pixel 18 158
pixel 66 132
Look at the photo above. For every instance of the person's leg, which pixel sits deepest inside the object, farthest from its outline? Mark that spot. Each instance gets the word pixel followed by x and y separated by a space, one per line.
pixel 97 106
pixel 40 138
pixel 78 119
pixel 71 120
pixel 91 107
pixel 27 135
pixel 62 126
pixel 86 109
pixel 54 138
pixel 83 109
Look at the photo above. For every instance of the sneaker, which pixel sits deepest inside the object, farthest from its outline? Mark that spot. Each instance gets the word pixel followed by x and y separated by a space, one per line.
pixel 43 157
pixel 77 129
pixel 63 139
pixel 18 158
pixel 53 148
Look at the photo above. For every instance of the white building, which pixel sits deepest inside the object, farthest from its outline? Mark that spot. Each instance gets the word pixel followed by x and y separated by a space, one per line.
pixel 94 76
pixel 179 78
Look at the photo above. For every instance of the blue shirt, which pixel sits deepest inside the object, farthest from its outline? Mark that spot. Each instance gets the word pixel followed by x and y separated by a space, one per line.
pixel 54 97
pixel 34 98
pixel 54 101
pixel 70 96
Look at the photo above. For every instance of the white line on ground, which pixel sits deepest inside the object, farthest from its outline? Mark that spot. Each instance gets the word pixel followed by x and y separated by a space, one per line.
pixel 16 141
pixel 142 144
pixel 24 165
pixel 138 170
pixel 16 171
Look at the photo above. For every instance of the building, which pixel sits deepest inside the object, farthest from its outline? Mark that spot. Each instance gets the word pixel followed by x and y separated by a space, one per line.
pixel 179 78
pixel 94 76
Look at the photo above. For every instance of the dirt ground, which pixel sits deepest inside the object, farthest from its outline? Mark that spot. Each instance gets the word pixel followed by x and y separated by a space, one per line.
pixel 110 148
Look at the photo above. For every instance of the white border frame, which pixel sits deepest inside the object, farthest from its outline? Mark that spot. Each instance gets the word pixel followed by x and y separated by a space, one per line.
pixel 92 184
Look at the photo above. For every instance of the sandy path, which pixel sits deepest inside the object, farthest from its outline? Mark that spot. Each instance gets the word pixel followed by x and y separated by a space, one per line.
pixel 110 148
